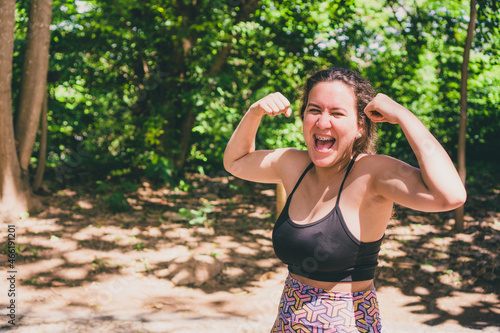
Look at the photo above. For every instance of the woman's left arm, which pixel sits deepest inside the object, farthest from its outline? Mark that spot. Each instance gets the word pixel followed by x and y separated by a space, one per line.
pixel 436 186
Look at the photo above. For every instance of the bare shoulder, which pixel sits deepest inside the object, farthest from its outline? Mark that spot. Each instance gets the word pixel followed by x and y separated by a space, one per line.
pixel 292 159
pixel 294 155
pixel 390 178
pixel 382 170
pixel 377 158
pixel 292 163
pixel 379 164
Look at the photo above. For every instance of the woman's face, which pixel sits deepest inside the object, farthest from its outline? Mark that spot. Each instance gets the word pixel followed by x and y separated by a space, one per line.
pixel 330 123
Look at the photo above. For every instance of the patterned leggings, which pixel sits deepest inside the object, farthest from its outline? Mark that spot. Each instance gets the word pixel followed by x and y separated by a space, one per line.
pixel 305 309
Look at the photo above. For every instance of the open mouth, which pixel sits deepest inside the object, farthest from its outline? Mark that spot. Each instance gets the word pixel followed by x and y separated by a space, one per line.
pixel 323 143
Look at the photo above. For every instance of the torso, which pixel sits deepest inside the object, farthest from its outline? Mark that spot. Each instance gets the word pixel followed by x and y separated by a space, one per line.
pixel 349 287
pixel 366 215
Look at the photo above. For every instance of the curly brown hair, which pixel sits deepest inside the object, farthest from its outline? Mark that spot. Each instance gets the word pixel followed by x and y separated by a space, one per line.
pixel 363 92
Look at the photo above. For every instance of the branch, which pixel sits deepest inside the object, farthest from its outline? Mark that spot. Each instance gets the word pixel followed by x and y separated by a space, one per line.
pixel 247 9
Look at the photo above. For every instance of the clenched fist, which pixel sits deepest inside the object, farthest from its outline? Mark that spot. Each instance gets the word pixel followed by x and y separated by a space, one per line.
pixel 384 109
pixel 272 105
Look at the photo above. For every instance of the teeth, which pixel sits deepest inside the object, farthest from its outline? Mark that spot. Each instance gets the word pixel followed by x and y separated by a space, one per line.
pixel 322 138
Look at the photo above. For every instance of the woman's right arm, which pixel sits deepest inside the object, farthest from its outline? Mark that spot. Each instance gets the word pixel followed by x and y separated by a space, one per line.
pixel 241 159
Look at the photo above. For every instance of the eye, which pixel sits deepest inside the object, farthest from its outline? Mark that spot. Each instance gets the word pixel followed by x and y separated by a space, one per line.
pixel 313 110
pixel 337 113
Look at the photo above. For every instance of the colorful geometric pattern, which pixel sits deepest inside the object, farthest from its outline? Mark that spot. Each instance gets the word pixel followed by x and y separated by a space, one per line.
pixel 305 309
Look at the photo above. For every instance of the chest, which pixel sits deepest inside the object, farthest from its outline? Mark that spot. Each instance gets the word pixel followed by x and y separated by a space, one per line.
pixel 364 216
pixel 324 245
pixel 312 201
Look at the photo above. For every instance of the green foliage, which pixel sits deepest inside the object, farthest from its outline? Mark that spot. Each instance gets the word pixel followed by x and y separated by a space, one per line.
pixel 199 216
pixel 31 282
pixel 117 202
pixel 7 249
pixel 97 264
pixel 158 168
pixel 153 89
pixel 139 246
pixel 102 187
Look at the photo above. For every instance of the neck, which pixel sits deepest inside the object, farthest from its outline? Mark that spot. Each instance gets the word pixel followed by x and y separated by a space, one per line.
pixel 325 174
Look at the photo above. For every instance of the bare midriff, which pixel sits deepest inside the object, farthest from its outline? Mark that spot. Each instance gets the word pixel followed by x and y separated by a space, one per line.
pixel 349 287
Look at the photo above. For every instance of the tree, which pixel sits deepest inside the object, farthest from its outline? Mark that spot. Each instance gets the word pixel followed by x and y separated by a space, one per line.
pixel 141 89
pixel 13 197
pixel 459 212
pixel 34 79
pixel 15 193
pixel 168 80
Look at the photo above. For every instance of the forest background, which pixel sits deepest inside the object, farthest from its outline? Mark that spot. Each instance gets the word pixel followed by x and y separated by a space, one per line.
pixel 154 89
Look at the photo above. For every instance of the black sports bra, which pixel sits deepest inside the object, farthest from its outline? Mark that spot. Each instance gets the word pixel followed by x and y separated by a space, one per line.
pixel 324 250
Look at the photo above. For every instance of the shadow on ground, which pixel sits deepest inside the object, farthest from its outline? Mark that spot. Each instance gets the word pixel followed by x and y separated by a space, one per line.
pixel 76 243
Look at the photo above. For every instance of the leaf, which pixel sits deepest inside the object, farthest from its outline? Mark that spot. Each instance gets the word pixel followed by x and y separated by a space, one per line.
pixel 197 220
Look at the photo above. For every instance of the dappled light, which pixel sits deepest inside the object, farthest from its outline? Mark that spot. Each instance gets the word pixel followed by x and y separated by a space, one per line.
pixel 109 263
pixel 452 276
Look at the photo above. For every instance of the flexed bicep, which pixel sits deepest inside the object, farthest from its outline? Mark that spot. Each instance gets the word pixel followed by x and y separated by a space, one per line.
pixel 263 166
pixel 241 157
pixel 403 184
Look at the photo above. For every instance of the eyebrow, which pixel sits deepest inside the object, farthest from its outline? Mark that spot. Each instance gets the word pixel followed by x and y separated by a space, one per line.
pixel 331 109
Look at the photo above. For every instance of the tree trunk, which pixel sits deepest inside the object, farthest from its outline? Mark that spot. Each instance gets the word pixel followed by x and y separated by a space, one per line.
pixel 37 182
pixel 13 197
pixel 34 79
pixel 459 212
pixel 189 120
pixel 186 129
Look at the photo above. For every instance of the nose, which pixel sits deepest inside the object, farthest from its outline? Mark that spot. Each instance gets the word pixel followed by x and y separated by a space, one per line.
pixel 323 120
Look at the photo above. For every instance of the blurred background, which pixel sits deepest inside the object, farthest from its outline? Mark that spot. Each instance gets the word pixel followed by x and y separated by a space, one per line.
pixel 155 88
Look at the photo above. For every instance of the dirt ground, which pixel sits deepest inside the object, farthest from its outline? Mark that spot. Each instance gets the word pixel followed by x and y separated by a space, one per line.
pixel 82 268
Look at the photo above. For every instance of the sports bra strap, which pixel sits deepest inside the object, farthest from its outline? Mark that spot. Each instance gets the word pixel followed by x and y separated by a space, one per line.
pixel 349 167
pixel 300 179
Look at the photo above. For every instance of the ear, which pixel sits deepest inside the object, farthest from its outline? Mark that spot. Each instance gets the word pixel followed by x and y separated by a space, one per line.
pixel 361 130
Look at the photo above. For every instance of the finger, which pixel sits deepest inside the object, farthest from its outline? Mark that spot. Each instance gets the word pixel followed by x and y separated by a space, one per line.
pixel 280 104
pixel 369 107
pixel 267 109
pixel 274 107
pixel 288 112
pixel 280 101
pixel 283 100
pixel 375 116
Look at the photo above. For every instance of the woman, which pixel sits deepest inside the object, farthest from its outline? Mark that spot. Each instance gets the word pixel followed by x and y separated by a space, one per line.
pixel 340 196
